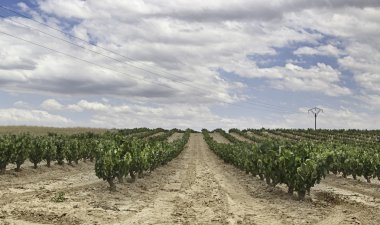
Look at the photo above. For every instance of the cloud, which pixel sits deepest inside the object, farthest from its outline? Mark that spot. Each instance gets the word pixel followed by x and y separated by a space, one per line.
pixel 372 101
pixel 176 115
pixel 331 118
pixel 339 23
pixel 326 50
pixel 80 106
pixel 75 108
pixel 8 62
pixel 184 115
pixel 14 116
pixel 216 11
pixel 94 106
pixel 180 47
pixel 159 115
pixel 66 8
pixel 24 7
pixel 54 73
pixel 320 78
pixel 22 105
pixel 363 61
pixel 51 104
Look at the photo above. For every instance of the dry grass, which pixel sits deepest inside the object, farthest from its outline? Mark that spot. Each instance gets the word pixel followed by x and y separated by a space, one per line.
pixel 45 130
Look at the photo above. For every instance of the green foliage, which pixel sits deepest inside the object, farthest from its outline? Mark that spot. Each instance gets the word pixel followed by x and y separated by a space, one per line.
pixel 111 162
pixel 58 197
pixel 5 152
pixel 36 151
pixel 71 150
pixel 139 150
pixel 60 149
pixel 298 165
pixel 49 149
pixel 229 137
pixel 20 146
pixel 118 155
pixel 298 158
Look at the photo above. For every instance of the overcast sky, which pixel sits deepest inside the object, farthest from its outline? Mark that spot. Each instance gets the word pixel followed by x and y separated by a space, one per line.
pixel 198 64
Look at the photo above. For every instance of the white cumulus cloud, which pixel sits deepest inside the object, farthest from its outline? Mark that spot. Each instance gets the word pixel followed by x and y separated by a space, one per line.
pixel 51 104
pixel 14 116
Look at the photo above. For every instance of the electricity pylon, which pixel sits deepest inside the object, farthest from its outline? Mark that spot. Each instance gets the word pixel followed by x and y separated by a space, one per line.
pixel 315 111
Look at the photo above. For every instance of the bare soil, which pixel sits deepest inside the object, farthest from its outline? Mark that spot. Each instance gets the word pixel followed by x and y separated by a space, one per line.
pixel 219 138
pixel 240 138
pixel 157 134
pixel 195 188
pixel 175 136
pixel 255 135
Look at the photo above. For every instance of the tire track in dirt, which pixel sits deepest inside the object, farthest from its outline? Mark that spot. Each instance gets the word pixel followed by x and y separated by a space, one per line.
pixel 201 200
pixel 351 191
pixel 30 182
pixel 190 196
pixel 249 200
pixel 204 190
pixel 359 186
pixel 28 175
pixel 28 200
pixel 241 207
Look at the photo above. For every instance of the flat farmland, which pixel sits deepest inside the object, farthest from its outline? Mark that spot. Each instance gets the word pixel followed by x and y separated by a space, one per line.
pixel 195 188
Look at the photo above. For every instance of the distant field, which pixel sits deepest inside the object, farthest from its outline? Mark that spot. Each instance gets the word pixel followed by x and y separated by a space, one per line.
pixel 45 130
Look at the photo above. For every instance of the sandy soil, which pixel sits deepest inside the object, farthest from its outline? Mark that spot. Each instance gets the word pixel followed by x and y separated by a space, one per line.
pixel 271 135
pixel 219 138
pixel 249 133
pixel 240 138
pixel 175 136
pixel 157 134
pixel 195 188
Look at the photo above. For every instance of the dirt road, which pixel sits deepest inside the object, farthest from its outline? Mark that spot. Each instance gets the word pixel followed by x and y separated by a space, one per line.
pixel 195 188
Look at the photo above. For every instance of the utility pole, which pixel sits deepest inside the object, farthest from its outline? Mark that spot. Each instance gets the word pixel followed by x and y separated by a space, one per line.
pixel 315 111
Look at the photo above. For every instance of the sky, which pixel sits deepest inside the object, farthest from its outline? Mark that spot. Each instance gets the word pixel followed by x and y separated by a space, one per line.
pixel 198 64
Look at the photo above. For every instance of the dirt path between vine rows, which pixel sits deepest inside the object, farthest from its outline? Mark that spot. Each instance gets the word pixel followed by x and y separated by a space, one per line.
pixel 195 188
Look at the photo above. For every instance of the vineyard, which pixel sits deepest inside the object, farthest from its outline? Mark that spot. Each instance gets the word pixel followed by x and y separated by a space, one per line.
pixel 158 176
pixel 299 160
pixel 116 154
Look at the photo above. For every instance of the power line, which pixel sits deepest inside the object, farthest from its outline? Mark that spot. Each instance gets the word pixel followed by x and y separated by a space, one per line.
pixel 92 51
pixel 80 59
pixel 256 103
pixel 87 49
pixel 103 67
pixel 87 42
